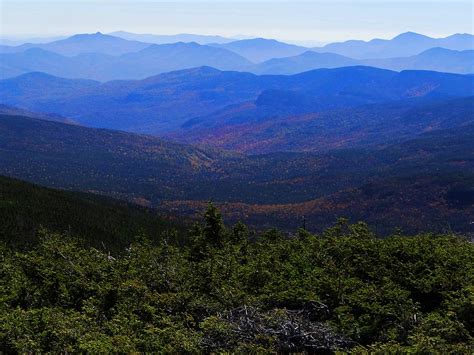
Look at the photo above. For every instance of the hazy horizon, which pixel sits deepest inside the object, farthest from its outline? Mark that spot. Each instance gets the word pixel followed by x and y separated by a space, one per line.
pixel 18 40
pixel 299 21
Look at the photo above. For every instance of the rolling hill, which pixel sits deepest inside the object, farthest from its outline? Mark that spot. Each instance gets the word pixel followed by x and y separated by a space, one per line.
pixel 277 188
pixel 362 126
pixel 25 89
pixel 168 57
pixel 165 102
pixel 83 66
pixel 15 111
pixel 82 44
pixel 260 49
pixel 152 60
pixel 435 59
pixel 422 184
pixel 304 62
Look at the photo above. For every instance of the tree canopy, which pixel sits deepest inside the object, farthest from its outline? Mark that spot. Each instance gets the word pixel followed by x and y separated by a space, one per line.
pixel 227 289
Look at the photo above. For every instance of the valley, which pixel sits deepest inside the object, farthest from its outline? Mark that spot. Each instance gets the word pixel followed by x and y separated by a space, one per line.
pixel 282 186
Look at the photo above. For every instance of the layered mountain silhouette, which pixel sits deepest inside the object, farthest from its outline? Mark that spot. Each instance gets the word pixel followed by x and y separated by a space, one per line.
pixel 403 45
pixel 306 61
pixel 151 60
pixel 105 57
pixel 436 59
pixel 167 39
pixel 261 49
pixel 165 102
pixel 84 43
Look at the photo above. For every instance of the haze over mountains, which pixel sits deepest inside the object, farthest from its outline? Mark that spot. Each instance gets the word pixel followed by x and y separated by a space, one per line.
pixel 269 130
pixel 261 49
pixel 165 102
pixel 84 43
pixel 170 184
pixel 167 39
pixel 404 45
pixel 105 57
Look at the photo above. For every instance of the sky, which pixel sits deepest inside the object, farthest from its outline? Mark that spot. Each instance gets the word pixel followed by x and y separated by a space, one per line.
pixel 298 20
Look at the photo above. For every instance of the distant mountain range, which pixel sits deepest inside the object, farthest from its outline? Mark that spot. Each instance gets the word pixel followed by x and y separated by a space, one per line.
pixel 83 43
pixel 105 57
pixel 165 102
pixel 404 45
pixel 436 59
pixel 260 49
pixel 167 39
pixel 151 60
pixel 17 41
pixel 306 61
pixel 263 128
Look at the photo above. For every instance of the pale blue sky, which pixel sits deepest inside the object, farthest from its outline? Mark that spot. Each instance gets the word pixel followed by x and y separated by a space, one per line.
pixel 325 20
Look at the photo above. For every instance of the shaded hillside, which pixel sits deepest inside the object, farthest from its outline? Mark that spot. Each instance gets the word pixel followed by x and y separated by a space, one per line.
pixel 424 184
pixel 24 90
pixel 15 111
pixel 106 161
pixel 164 102
pixel 413 204
pixel 25 209
pixel 253 129
pixel 158 173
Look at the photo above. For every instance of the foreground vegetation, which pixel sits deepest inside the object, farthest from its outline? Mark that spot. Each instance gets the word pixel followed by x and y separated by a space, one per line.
pixel 228 290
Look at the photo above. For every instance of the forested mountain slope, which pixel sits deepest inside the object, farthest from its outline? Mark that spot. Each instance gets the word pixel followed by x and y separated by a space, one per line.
pixel 164 102
pixel 159 173
pixel 252 129
pixel 26 209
